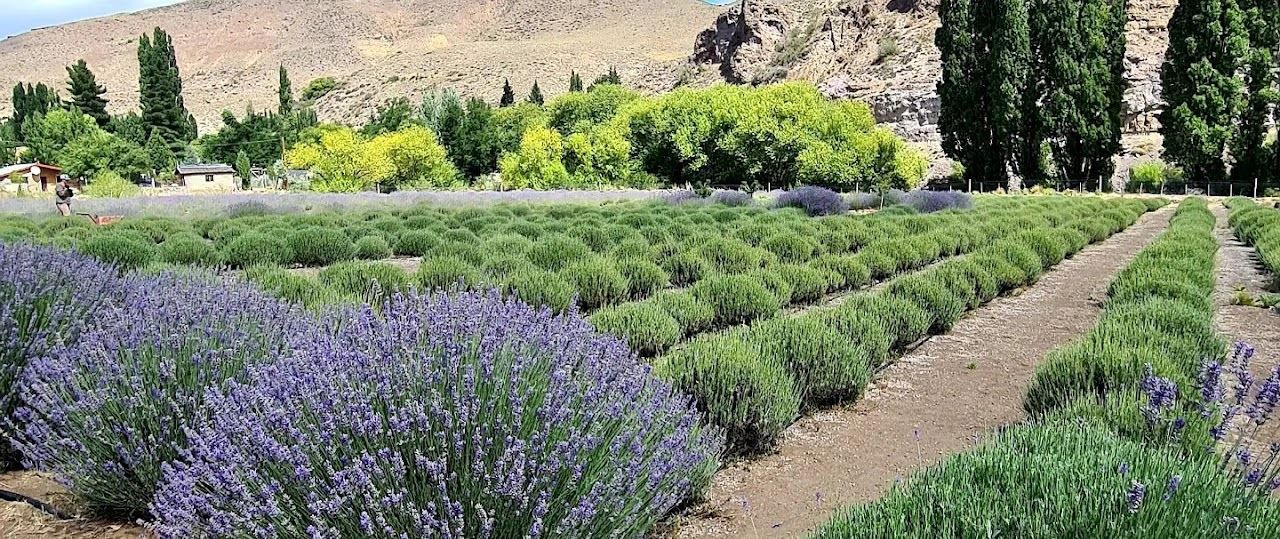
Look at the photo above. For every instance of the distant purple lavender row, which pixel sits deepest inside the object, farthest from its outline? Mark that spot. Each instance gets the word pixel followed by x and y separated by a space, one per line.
pixel 468 415
pixel 815 201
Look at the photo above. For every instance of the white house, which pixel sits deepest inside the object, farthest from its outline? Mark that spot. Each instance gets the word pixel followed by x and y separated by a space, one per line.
pixel 207 178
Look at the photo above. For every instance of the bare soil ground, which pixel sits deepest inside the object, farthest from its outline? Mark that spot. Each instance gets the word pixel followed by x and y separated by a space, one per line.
pixel 939 399
pixel 22 521
pixel 1238 267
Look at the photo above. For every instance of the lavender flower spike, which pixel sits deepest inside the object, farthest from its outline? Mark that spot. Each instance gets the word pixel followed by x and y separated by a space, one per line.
pixel 1134 498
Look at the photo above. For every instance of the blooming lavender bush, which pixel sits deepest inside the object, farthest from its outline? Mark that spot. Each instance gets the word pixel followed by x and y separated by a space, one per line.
pixel 47 297
pixel 815 201
pixel 731 198
pixel 681 197
pixel 465 415
pixel 105 412
pixel 935 201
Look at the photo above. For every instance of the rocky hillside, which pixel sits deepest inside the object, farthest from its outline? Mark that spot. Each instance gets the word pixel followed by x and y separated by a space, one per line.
pixel 882 51
pixel 229 50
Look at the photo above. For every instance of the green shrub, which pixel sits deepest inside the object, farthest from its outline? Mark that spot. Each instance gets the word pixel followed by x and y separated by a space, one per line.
pixel 826 366
pixel 500 265
pixel 646 328
pixel 1082 473
pixel 862 327
pixel 256 249
pixel 291 287
pixel 119 250
pixel 903 320
pixel 540 288
pixel 372 282
pixel 597 282
pixel 693 315
pixel 1045 244
pixel 807 284
pixel 317 246
pixel 555 251
pixel 108 184
pixel 853 273
pixel 753 401
pixel 633 248
pixel 686 268
pixel 790 247
pixel 507 244
pixel 644 278
pixel 467 252
pixel 879 264
pixel 736 298
pixel 372 248
pixel 928 292
pixel 444 272
pixel 731 256
pixel 416 243
pixel 188 251
pixel 775 283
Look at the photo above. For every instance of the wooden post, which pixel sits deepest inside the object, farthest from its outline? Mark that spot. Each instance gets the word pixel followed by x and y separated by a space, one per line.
pixel 1255 187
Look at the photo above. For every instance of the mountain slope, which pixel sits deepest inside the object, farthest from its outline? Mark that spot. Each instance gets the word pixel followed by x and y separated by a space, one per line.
pixel 229 50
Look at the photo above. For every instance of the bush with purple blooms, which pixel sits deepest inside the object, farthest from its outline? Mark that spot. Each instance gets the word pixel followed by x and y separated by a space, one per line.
pixel 815 201
pixel 681 197
pixel 47 297
pixel 731 198
pixel 106 412
pixel 463 415
pixel 935 201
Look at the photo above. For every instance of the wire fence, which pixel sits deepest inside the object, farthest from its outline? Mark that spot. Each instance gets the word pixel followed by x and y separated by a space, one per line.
pixel 1215 189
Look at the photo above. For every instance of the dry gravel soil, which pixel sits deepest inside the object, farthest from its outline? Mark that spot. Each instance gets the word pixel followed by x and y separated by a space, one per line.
pixel 940 399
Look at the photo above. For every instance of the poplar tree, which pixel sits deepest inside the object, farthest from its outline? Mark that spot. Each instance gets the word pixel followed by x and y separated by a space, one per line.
pixel 29 101
pixel 985 48
pixel 286 94
pixel 160 88
pixel 1074 102
pixel 508 94
pixel 575 82
pixel 1248 145
pixel 1201 86
pixel 87 94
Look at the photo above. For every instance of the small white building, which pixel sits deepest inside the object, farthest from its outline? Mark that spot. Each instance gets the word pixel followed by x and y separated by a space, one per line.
pixel 207 178
pixel 32 178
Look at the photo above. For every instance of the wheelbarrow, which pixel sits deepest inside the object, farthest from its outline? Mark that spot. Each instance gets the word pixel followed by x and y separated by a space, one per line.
pixel 102 220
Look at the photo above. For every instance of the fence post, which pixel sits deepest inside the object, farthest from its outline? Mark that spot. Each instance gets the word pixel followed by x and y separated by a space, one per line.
pixel 1231 189
pixel 1255 187
pixel 970 185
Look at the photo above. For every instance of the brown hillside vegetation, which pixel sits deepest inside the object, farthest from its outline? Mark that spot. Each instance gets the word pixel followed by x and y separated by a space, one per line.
pixel 229 50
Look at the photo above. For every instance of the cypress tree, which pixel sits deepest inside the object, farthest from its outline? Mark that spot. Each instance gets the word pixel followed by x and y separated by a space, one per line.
pixel 535 95
pixel 1248 145
pixel 243 168
pixel 1075 98
pixel 1202 91
pixel 286 94
pixel 575 82
pixel 86 93
pixel 30 100
pixel 612 77
pixel 159 156
pixel 508 94
pixel 985 48
pixel 160 88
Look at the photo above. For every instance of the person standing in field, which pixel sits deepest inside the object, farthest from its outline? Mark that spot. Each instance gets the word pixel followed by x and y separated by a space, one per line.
pixel 64 194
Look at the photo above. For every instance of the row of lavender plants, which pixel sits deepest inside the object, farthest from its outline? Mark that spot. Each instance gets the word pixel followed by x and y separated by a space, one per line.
pixel 1145 427
pixel 819 201
pixel 1259 227
pixel 755 380
pixel 209 409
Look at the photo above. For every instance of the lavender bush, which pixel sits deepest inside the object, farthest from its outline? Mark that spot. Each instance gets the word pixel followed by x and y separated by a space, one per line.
pixel 106 412
pixel 464 415
pixel 863 201
pixel 815 201
pixel 732 198
pixel 47 297
pixel 681 197
pixel 935 201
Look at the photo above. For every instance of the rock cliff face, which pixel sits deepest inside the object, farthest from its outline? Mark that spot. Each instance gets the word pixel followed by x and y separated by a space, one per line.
pixel 882 51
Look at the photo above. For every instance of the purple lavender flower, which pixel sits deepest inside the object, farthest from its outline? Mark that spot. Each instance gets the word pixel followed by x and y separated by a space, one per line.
pixel 681 197
pixel 1172 487
pixel 107 411
pixel 1210 384
pixel 815 201
pixel 1123 468
pixel 1264 402
pixel 935 201
pixel 445 415
pixel 1161 394
pixel 731 198
pixel 1137 491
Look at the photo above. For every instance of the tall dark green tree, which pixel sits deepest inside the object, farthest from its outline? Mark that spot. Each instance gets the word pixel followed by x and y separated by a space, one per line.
pixel 575 82
pixel 612 77
pixel 1201 85
pixel 243 169
pixel 535 94
pixel 985 47
pixel 160 87
pixel 474 149
pixel 159 157
pixel 508 94
pixel 286 94
pixel 87 94
pixel 1249 144
pixel 31 100
pixel 1073 106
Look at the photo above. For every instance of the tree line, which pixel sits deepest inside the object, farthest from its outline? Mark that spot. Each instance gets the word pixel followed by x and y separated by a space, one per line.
pixel 1032 91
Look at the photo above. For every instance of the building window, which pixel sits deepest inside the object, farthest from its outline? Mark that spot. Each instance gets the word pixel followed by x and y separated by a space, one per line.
pixel 208 177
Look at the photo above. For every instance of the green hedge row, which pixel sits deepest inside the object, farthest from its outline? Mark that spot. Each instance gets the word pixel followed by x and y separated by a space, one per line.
pixel 753 381
pixel 1259 227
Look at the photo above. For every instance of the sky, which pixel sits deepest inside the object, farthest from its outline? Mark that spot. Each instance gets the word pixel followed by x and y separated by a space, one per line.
pixel 24 15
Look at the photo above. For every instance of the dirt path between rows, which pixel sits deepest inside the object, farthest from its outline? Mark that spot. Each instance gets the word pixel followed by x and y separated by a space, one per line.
pixel 1238 266
pixel 939 399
